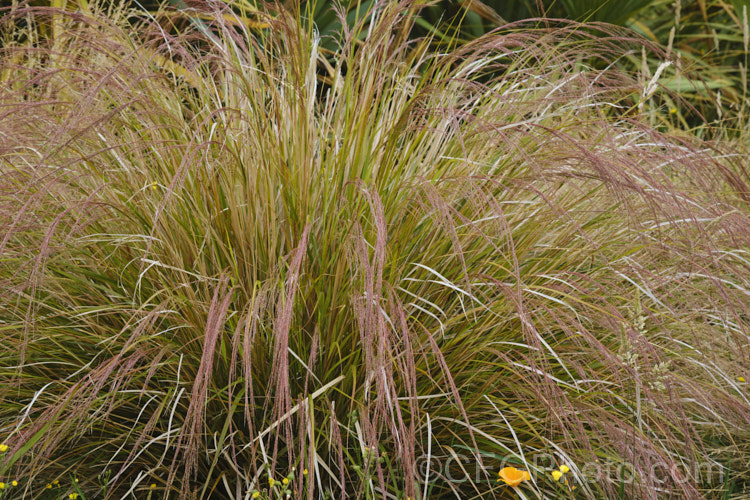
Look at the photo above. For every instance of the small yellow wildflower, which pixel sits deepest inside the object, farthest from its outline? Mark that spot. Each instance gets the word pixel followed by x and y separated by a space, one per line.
pixel 556 475
pixel 153 485
pixel 256 494
pixel 271 482
pixel 740 379
pixel 3 448
pixel 513 477
pixel 285 481
pixel 2 486
pixel 564 469
pixel 55 482
pixel 14 483
pixel 673 111
pixel 73 496
pixel 49 486
pixel 304 472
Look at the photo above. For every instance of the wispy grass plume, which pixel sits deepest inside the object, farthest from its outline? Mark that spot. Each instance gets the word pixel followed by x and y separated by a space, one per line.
pixel 234 262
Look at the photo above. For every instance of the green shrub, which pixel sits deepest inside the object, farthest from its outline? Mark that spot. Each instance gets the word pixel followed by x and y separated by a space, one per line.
pixel 219 269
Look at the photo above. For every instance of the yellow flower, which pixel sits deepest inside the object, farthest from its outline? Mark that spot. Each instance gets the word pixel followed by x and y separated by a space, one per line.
pixel 556 474
pixel 513 477
pixel 673 111
pixel 285 481
pixel 14 483
pixel 256 494
pixel 564 469
pixel 3 448
pixel 153 485
pixel 304 472
pixel 55 482
pixel 73 496
pixel 49 486
pixel 2 486
pixel 739 379
pixel 271 482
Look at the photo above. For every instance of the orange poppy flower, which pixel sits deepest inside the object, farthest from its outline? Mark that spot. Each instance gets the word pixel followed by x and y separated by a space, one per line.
pixel 513 477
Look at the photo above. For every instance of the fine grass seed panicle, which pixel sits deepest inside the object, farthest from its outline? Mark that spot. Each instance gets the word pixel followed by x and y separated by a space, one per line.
pixel 227 254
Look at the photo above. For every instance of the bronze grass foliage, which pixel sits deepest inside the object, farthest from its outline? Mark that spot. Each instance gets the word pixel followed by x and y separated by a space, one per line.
pixel 216 274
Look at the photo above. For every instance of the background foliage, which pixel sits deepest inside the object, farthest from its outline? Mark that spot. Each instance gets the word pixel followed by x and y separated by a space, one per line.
pixel 706 41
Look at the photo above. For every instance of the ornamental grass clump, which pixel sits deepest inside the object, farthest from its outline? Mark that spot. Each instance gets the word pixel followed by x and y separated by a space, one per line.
pixel 227 254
